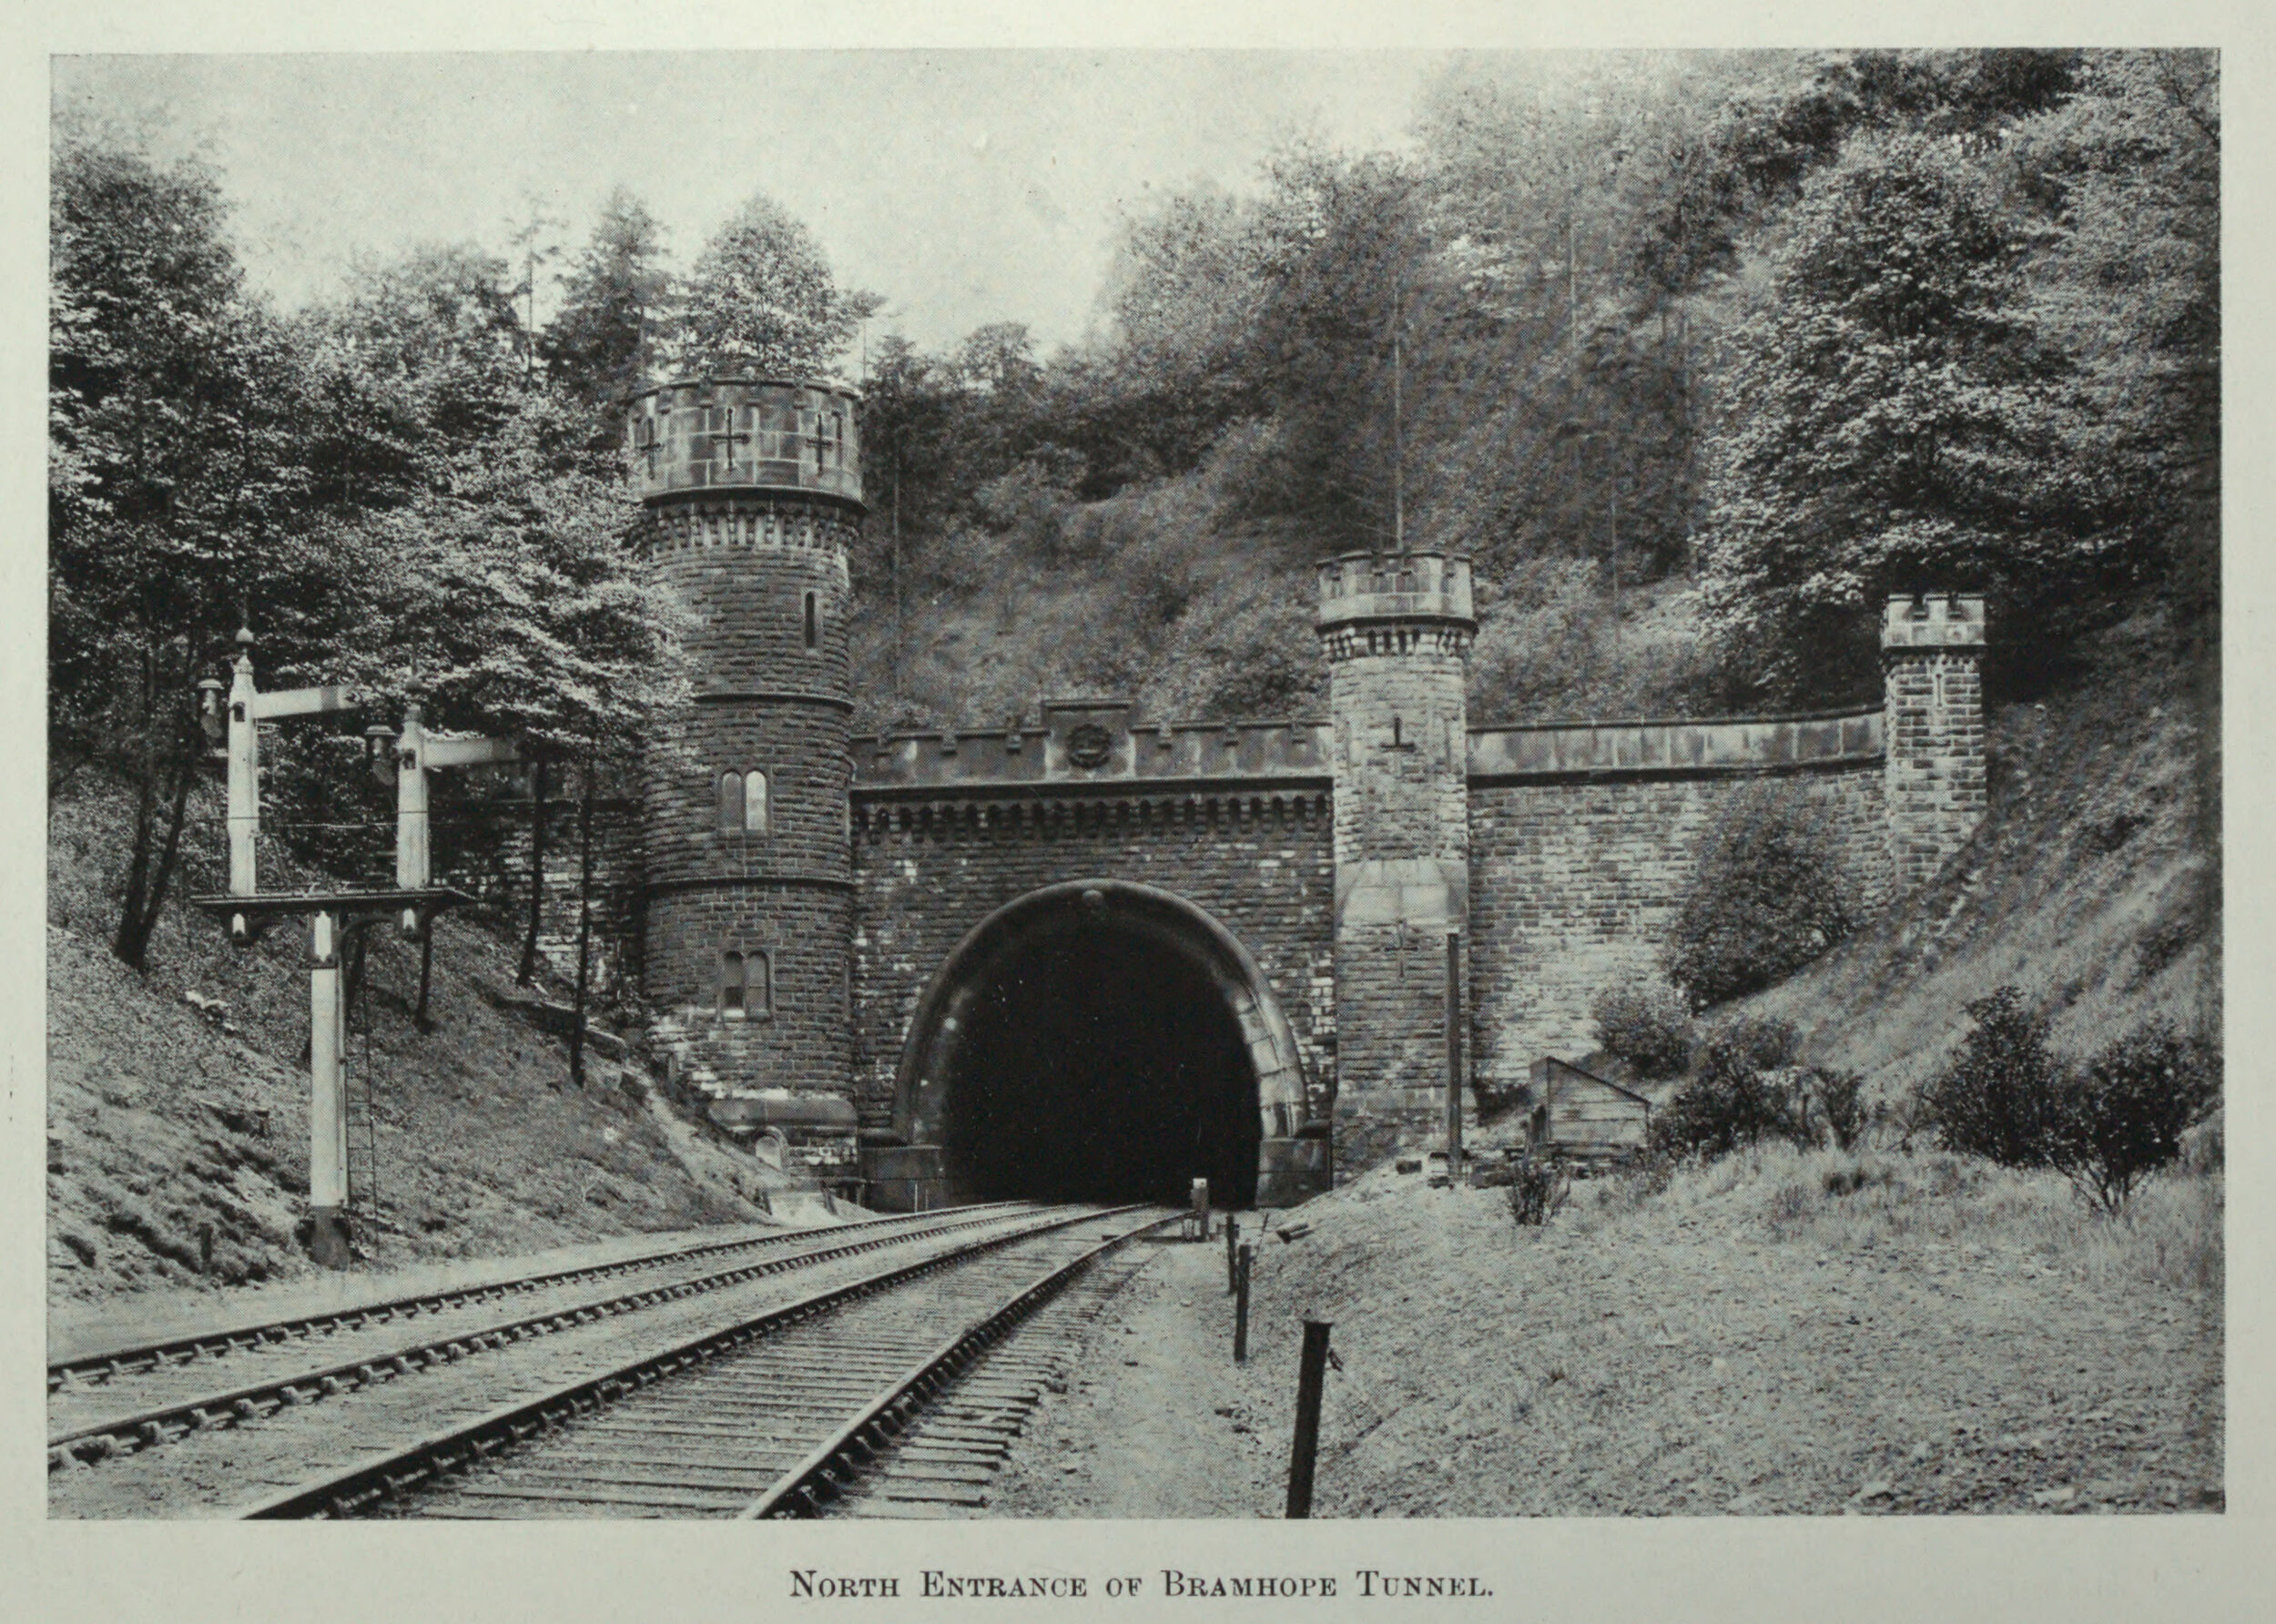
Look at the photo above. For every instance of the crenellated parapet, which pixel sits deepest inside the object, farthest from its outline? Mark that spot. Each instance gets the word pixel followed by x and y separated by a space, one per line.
pixel 1395 603
pixel 700 434
pixel 1084 742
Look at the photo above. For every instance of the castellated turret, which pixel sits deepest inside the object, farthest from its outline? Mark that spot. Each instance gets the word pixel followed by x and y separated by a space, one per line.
pixel 1396 630
pixel 1932 656
pixel 752 491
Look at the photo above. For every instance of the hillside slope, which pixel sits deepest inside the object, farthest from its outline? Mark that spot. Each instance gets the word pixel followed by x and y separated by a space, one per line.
pixel 165 1118
pixel 2093 884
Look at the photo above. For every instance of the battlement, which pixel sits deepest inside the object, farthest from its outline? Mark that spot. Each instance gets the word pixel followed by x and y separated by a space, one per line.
pixel 1086 741
pixel 1940 620
pixel 1421 583
pixel 718 435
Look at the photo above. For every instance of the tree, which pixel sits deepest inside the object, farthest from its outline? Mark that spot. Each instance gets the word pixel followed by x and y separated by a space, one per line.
pixel 615 303
pixel 2121 1119
pixel 436 331
pixel 528 614
pixel 761 300
pixel 1895 422
pixel 176 492
pixel 2128 172
pixel 1998 1098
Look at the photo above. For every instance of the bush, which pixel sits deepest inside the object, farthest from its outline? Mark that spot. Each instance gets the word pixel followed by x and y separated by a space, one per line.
pixel 1841 1096
pixel 1733 1099
pixel 1538 1189
pixel 1770 894
pixel 1999 1097
pixel 2122 1118
pixel 1644 1024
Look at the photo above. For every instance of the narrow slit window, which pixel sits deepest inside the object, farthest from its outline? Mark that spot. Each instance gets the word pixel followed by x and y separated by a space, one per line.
pixel 758 984
pixel 731 973
pixel 813 620
pixel 754 803
pixel 731 802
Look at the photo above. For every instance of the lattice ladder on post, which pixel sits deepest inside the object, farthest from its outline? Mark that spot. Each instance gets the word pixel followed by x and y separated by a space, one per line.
pixel 363 1139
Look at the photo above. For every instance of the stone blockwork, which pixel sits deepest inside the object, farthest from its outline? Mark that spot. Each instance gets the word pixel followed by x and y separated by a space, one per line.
pixel 1258 858
pixel 752 491
pixel 483 846
pixel 1318 867
pixel 1578 877
pixel 1396 632
pixel 1932 652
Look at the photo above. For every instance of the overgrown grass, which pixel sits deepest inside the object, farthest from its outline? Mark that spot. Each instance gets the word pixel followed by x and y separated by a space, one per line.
pixel 1878 1200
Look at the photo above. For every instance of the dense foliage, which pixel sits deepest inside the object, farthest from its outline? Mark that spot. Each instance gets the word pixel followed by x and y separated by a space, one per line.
pixel 2106 1124
pixel 1999 1096
pixel 1771 893
pixel 1645 1024
pixel 1672 344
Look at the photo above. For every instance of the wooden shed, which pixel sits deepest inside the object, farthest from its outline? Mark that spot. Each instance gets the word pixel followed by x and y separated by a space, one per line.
pixel 1579 1113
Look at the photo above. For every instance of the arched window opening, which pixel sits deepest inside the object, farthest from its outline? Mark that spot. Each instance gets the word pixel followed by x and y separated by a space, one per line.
pixel 747 985
pixel 730 802
pixel 754 803
pixel 813 620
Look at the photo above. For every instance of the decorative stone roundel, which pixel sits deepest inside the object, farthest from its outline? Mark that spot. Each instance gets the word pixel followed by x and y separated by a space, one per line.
pixel 1089 746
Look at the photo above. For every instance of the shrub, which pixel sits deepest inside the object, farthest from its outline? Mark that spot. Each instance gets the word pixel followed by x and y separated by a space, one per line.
pixel 1999 1097
pixel 2122 1118
pixel 1645 1024
pixel 1841 1096
pixel 1763 1041
pixel 1732 1100
pixel 1538 1189
pixel 1770 894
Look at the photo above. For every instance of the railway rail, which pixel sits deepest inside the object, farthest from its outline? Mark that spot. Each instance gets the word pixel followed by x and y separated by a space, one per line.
pixel 904 1375
pixel 118 1401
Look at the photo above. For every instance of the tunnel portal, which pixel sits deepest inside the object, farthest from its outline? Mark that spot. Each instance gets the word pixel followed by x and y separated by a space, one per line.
pixel 1098 1064
pixel 1102 1040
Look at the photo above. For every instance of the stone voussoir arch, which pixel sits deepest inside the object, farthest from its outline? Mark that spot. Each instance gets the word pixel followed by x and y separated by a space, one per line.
pixel 920 1085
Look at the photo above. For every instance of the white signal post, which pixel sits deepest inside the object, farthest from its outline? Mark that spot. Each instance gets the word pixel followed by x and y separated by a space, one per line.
pixel 332 916
pixel 327 1081
pixel 416 755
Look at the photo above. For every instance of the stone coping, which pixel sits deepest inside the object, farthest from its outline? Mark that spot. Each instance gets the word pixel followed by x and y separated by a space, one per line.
pixel 1096 742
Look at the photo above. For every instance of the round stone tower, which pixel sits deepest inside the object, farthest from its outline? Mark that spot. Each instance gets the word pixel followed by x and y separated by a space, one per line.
pixel 753 493
pixel 1396 630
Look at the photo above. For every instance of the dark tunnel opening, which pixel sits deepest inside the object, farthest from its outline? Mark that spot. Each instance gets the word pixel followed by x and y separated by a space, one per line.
pixel 1099 1063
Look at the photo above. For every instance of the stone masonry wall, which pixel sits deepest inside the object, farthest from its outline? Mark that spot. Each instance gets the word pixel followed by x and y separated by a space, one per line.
pixel 1937 789
pixel 745 566
pixel 1574 885
pixel 927 871
pixel 1402 853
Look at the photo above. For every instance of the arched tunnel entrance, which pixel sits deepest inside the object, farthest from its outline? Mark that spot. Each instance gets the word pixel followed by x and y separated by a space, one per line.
pixel 1104 1040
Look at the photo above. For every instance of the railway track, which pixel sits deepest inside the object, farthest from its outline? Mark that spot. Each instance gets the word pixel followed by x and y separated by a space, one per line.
pixel 116 1402
pixel 895 1394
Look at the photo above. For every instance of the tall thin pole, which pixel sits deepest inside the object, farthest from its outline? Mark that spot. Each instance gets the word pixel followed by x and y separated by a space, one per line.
pixel 901 617
pixel 1454 1057
pixel 1398 434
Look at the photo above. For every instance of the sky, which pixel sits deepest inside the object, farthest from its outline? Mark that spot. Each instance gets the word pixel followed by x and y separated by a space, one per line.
pixel 966 186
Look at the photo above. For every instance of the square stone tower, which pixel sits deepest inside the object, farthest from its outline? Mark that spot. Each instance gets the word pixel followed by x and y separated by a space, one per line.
pixel 1932 656
pixel 1396 629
